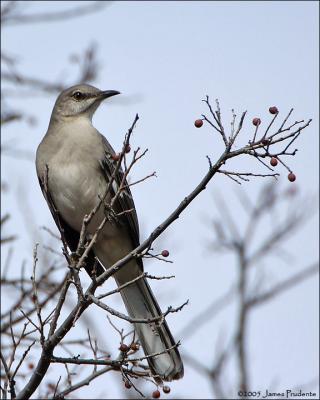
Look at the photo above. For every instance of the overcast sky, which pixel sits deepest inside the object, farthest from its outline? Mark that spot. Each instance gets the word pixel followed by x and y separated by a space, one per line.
pixel 165 57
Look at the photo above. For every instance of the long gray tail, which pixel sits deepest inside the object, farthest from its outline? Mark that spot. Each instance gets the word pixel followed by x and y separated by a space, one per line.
pixel 154 337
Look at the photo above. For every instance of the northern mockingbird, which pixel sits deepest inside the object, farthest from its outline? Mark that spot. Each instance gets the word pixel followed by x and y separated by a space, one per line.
pixel 75 161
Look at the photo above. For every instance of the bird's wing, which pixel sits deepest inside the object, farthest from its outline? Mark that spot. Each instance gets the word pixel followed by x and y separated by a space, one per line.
pixel 124 203
pixel 70 235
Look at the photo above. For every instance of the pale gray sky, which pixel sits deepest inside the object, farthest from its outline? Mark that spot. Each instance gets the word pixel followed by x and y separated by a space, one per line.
pixel 165 57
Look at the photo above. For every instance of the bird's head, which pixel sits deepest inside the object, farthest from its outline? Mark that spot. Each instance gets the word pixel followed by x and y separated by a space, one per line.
pixel 80 100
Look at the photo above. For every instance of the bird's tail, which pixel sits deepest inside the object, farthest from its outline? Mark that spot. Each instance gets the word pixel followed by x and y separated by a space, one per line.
pixel 155 337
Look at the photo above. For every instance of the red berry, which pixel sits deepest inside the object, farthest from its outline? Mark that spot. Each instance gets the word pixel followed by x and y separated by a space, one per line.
pixel 165 253
pixel 166 389
pixel 116 157
pixel 291 177
pixel 274 162
pixel 135 346
pixel 273 110
pixel 256 121
pixel 30 365
pixel 124 348
pixel 198 123
pixel 128 148
pixel 156 394
pixel 127 384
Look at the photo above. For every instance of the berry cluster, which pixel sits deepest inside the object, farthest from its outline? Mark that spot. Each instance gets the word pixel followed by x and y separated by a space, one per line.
pixel 256 121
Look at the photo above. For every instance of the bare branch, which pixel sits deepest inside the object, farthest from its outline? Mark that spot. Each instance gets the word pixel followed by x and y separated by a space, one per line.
pixel 159 318
pixel 19 18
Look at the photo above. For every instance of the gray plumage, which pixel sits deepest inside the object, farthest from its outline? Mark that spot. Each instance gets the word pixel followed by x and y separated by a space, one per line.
pixel 79 163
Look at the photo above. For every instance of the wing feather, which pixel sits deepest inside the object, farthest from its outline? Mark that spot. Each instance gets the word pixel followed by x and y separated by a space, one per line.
pixel 124 203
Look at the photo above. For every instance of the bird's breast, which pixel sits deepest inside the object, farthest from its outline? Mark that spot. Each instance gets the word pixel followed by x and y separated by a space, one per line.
pixel 76 189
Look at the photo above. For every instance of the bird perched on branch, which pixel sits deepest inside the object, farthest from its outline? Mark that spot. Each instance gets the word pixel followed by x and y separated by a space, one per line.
pixel 74 166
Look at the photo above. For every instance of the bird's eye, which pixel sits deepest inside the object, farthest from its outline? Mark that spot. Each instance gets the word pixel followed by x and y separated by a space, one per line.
pixel 78 95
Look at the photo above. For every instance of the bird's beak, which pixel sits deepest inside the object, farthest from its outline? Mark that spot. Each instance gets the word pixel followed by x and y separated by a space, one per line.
pixel 108 93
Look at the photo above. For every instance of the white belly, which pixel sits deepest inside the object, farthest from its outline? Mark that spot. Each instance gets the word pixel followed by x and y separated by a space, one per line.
pixel 75 195
pixel 76 189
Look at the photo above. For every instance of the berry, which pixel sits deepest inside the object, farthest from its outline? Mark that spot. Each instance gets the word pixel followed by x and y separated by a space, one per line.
pixel 256 121
pixel 273 110
pixel 30 365
pixel 265 142
pixel 166 389
pixel 156 394
pixel 116 157
pixel 124 348
pixel 274 161
pixel 291 177
pixel 127 384
pixel 135 346
pixel 128 148
pixel 198 123
pixel 165 253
